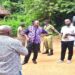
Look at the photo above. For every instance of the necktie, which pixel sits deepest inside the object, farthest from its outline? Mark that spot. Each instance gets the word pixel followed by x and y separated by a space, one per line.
pixel 35 34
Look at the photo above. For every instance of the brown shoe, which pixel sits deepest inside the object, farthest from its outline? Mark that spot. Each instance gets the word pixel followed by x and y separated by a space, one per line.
pixel 34 61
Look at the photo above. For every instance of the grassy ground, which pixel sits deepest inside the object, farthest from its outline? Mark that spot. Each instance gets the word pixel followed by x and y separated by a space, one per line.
pixel 47 65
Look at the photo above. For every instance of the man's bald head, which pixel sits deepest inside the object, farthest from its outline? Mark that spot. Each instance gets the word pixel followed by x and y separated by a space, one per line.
pixel 5 30
pixel 36 23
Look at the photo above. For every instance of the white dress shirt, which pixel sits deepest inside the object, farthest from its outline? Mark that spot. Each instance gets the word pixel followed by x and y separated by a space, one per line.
pixel 68 30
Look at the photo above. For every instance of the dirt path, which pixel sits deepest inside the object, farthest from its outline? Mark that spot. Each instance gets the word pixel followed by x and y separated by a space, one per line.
pixel 47 65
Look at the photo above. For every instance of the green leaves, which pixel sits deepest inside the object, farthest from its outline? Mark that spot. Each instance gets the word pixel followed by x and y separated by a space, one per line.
pixel 37 9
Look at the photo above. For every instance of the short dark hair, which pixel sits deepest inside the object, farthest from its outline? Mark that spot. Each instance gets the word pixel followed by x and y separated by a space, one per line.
pixel 22 24
pixel 47 20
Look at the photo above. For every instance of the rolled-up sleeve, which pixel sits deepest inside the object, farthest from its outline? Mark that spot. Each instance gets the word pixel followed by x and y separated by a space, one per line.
pixel 19 48
pixel 26 31
pixel 44 32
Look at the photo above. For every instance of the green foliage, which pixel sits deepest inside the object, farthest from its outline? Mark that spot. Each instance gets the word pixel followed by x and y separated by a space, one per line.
pixel 13 23
pixel 29 10
pixel 13 6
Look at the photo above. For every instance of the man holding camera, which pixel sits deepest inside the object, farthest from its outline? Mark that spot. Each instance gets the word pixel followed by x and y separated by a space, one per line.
pixel 67 41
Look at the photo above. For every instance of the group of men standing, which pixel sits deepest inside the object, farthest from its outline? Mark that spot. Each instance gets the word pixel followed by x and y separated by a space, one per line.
pixel 34 34
pixel 35 31
pixel 10 49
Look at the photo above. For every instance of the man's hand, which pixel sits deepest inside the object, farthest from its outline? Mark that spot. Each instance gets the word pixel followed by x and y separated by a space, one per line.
pixel 71 35
pixel 42 35
pixel 66 35
pixel 27 38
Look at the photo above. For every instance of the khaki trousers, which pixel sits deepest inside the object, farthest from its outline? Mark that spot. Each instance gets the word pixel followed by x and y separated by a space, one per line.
pixel 48 42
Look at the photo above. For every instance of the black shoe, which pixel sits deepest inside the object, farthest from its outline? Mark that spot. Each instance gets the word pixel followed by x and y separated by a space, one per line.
pixel 49 54
pixel 34 62
pixel 45 52
pixel 24 63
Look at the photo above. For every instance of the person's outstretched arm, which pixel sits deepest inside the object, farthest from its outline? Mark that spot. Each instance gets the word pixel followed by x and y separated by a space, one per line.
pixel 19 48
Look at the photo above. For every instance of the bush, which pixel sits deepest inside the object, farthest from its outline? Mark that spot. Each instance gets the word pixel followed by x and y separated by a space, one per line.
pixel 14 21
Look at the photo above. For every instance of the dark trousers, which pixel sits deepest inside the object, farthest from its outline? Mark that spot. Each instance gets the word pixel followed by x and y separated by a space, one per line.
pixel 32 47
pixel 64 46
pixel 20 73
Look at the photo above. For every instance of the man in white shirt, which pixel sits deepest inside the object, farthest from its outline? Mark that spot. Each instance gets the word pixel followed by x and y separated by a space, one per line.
pixel 10 50
pixel 67 41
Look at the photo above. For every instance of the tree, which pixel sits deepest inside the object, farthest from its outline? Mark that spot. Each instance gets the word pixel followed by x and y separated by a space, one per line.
pixel 57 10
